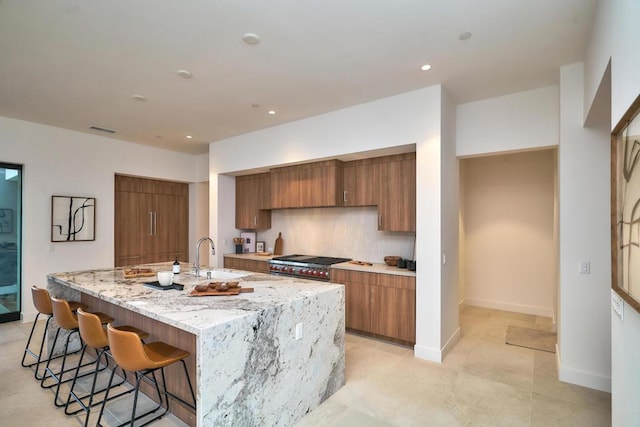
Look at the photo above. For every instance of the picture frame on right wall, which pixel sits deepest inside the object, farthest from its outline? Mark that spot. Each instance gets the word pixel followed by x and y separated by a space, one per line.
pixel 625 206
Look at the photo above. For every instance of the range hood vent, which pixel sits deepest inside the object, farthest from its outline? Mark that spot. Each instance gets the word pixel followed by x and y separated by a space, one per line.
pixel 102 129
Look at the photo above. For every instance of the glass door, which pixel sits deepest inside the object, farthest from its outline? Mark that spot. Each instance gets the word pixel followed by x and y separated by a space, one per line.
pixel 10 241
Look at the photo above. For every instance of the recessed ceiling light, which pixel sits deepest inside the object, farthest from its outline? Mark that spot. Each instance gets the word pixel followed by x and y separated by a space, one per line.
pixel 251 38
pixel 271 112
pixel 465 36
pixel 185 74
pixel 189 137
pixel 425 67
pixel 139 97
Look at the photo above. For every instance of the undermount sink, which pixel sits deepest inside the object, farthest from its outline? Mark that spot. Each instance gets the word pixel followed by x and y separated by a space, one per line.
pixel 220 275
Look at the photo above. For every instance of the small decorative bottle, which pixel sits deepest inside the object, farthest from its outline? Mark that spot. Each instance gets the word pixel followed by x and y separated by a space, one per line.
pixel 176 266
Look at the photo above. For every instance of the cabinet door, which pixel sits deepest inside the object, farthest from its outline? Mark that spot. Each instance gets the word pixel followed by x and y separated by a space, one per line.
pixel 246 265
pixel 284 188
pixel 397 195
pixel 360 184
pixel 133 217
pixel 357 297
pixel 170 227
pixel 393 313
pixel 320 184
pixel 357 306
pixel 253 198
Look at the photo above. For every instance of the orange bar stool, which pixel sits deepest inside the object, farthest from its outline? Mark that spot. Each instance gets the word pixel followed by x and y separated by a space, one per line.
pixel 95 337
pixel 42 303
pixel 68 321
pixel 132 355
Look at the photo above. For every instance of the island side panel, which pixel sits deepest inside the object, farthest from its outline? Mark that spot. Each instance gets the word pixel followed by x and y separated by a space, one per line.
pixel 254 372
pixel 158 331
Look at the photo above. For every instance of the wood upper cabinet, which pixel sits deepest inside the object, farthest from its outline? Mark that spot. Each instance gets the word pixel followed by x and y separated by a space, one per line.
pixel 361 185
pixel 310 185
pixel 383 305
pixel 150 221
pixel 396 176
pixel 253 201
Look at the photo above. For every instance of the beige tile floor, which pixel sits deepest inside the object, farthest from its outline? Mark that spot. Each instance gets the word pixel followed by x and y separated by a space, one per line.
pixel 482 382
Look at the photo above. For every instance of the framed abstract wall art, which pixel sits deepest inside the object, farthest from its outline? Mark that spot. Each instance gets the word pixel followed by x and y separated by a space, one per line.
pixel 625 206
pixel 73 219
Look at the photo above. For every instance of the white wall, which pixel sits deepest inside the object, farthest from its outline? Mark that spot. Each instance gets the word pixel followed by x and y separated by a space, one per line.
pixel 62 162
pixel 583 176
pixel 616 37
pixel 450 328
pixel 509 226
pixel 515 122
pixel 409 118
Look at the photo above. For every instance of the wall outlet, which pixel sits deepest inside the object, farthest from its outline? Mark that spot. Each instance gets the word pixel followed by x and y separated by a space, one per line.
pixel 584 267
pixel 617 304
pixel 298 331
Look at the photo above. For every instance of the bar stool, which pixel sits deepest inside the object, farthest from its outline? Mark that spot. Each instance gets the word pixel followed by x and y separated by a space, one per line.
pixel 131 354
pixel 68 321
pixel 94 336
pixel 42 303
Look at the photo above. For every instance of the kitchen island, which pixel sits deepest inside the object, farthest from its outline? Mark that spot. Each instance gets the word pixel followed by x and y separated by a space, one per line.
pixel 261 358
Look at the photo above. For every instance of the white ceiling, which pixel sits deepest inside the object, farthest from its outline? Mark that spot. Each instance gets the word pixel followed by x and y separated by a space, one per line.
pixel 77 63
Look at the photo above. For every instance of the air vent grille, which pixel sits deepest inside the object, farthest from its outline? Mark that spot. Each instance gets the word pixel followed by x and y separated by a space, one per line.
pixel 98 128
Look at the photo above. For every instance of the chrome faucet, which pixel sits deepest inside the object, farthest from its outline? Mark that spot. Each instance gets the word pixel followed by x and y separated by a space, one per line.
pixel 213 252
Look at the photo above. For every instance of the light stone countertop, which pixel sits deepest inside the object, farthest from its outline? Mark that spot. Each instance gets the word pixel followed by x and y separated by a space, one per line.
pixel 178 308
pixel 375 268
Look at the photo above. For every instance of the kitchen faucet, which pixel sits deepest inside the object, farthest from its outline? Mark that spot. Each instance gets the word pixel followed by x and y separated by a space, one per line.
pixel 213 252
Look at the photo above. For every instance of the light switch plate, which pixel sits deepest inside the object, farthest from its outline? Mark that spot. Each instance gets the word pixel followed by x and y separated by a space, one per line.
pixel 617 304
pixel 584 267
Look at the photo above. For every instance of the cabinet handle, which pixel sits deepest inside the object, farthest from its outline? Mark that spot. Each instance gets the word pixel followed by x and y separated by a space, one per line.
pixel 380 220
pixel 155 223
pixel 255 220
pixel 344 196
pixel 150 223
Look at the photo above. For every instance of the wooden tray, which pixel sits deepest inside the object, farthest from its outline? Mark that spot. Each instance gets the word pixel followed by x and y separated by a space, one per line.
pixel 132 273
pixel 212 293
pixel 360 263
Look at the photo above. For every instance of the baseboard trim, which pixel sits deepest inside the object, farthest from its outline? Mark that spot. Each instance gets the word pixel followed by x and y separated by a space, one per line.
pixel 28 317
pixel 581 378
pixel 436 355
pixel 518 308
pixel 427 353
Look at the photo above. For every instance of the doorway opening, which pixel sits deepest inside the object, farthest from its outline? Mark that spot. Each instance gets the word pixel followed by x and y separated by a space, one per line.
pixel 508 232
pixel 10 241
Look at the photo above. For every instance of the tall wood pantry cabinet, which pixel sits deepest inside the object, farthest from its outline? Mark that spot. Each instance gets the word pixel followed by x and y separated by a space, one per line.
pixel 151 221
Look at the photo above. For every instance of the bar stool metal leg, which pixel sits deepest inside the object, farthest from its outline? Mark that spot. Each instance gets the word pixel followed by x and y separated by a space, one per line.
pixel 132 355
pixel 95 337
pixel 66 320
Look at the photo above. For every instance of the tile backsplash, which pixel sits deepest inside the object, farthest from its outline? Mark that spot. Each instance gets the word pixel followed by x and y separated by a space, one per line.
pixel 341 232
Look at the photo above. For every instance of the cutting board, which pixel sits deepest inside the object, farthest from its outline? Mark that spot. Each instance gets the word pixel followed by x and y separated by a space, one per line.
pixel 278 247
pixel 214 293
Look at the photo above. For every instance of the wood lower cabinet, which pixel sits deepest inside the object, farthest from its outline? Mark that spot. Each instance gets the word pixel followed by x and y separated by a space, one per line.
pixel 253 201
pixel 151 221
pixel 246 264
pixel 382 305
